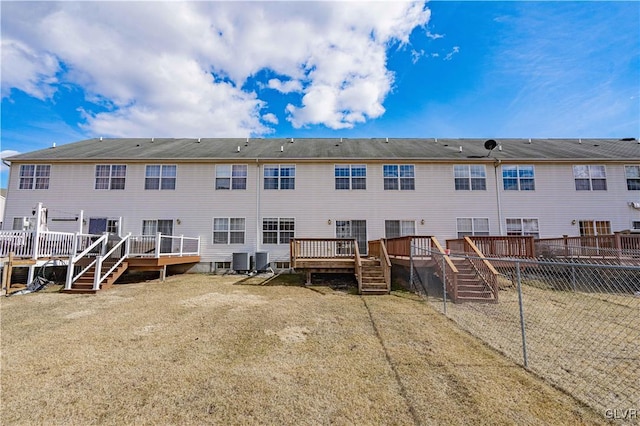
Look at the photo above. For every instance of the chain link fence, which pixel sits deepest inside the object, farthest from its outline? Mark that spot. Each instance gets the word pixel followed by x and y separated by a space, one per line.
pixel 575 321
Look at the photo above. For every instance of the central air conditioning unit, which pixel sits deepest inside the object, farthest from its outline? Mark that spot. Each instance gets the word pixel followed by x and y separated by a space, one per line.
pixel 262 261
pixel 241 262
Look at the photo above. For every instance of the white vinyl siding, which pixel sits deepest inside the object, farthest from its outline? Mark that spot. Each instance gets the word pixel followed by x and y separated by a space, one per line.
pixel 110 176
pixel 160 176
pixel 34 176
pixel 469 177
pixel 590 178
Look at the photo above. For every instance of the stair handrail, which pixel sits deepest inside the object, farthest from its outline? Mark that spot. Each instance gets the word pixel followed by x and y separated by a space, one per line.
pixel 385 261
pixel 450 269
pixel 357 264
pixel 98 277
pixel 73 259
pixel 484 268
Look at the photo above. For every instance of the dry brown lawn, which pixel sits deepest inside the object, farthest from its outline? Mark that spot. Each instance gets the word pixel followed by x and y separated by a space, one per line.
pixel 198 349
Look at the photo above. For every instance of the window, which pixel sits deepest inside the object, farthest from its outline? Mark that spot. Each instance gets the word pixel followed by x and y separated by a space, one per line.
pixel 351 176
pixel 110 176
pixel 228 230
pixel 34 176
pixel 352 229
pixel 472 226
pixel 594 227
pixel 152 227
pixel 98 225
pixel 231 176
pixel 590 178
pixel 518 178
pixel 280 177
pixel 21 223
pixel 635 225
pixel 278 230
pixel 160 177
pixel 400 177
pixel 632 173
pixel 523 227
pixel 470 178
pixel 399 228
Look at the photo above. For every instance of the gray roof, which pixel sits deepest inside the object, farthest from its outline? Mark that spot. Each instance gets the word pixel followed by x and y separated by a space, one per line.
pixel 286 149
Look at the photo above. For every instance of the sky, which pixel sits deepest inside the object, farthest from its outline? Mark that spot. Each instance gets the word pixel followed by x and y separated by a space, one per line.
pixel 74 70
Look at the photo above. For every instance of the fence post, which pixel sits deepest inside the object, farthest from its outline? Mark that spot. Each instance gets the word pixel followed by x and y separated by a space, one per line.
pixel 444 284
pixel 522 324
pixel 411 269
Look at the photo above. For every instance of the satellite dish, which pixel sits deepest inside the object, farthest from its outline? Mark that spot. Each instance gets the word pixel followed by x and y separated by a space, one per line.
pixel 490 144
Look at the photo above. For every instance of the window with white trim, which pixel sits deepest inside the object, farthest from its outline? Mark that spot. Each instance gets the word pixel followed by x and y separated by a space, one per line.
pixel 228 230
pixel 399 228
pixel 635 225
pixel 590 178
pixel 520 226
pixel 350 176
pixel 231 176
pixel 110 176
pixel 469 177
pixel 469 226
pixel 632 174
pixel 278 230
pixel 160 176
pixel 34 176
pixel 594 227
pixel 399 177
pixel 518 178
pixel 279 177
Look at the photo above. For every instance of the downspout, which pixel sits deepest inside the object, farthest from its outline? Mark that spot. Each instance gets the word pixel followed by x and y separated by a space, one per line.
pixel 257 205
pixel 496 163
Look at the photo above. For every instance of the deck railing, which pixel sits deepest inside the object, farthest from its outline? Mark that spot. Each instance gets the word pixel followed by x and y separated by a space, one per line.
pixel 498 246
pixel 358 266
pixel 446 269
pixel 378 248
pixel 109 261
pixel 321 248
pixel 89 253
pixel 163 245
pixel 20 243
pixel 402 246
pixel 604 246
pixel 483 267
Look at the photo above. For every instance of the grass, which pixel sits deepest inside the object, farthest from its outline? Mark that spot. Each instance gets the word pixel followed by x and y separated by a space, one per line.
pixel 200 349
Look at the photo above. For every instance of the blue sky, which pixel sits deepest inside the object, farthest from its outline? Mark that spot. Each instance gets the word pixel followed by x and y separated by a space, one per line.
pixel 76 70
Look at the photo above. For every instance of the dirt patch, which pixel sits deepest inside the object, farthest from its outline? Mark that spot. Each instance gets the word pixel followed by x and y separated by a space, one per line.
pixel 290 334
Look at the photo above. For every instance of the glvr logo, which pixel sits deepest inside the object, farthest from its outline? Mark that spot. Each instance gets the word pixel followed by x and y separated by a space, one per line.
pixel 616 414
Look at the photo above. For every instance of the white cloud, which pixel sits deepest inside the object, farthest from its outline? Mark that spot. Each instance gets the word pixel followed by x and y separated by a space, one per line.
pixel 449 55
pixel 6 154
pixel 285 86
pixel 154 64
pixel 270 118
pixel 27 70
pixel 433 36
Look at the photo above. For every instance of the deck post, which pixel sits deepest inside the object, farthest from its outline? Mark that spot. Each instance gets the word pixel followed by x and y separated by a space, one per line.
pixel 158 240
pixel 181 244
pixel 74 250
pixel 308 278
pixel 98 272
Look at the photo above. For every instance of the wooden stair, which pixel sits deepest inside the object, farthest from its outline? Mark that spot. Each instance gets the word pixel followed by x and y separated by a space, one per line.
pixel 373 277
pixel 84 284
pixel 471 288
